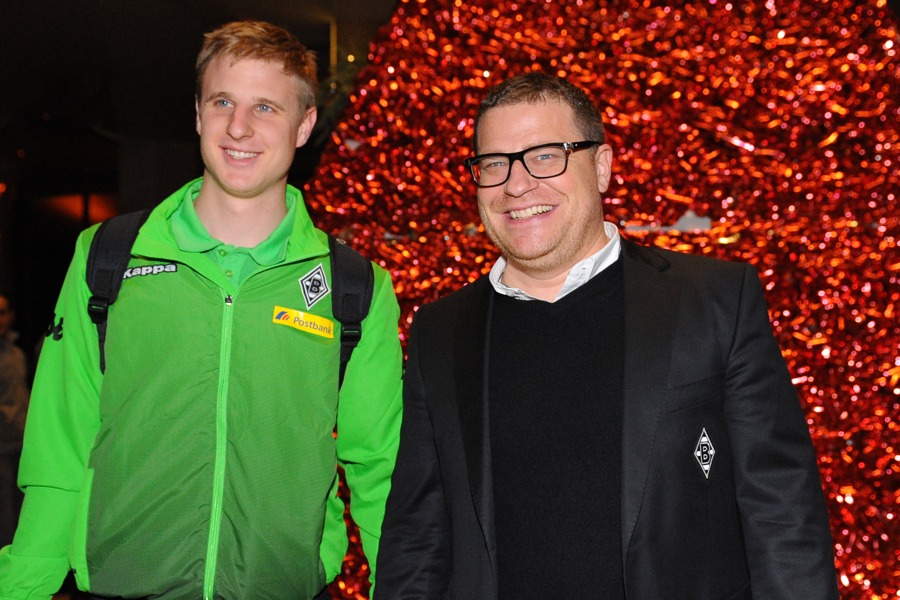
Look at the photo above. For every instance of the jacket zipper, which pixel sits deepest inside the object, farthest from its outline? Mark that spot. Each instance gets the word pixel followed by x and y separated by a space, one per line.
pixel 215 521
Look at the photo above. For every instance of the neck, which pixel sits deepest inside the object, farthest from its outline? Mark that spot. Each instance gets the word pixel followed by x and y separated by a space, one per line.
pixel 242 222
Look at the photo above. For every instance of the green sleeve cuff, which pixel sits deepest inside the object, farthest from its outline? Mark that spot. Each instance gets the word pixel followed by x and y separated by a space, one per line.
pixel 36 563
pixel 30 577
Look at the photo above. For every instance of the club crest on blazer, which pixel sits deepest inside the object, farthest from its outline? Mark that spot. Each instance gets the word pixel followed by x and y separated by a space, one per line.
pixel 704 452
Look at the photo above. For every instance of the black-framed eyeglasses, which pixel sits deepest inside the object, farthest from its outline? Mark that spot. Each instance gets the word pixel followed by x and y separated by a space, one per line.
pixel 541 162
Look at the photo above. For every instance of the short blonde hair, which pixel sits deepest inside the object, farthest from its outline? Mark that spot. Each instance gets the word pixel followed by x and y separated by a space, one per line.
pixel 259 40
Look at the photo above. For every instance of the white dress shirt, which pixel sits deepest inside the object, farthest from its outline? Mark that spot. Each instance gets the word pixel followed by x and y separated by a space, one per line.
pixel 581 272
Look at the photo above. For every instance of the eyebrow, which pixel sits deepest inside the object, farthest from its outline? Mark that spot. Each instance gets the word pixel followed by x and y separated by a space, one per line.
pixel 277 105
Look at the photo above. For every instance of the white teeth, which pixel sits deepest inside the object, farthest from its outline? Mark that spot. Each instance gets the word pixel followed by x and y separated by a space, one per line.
pixel 529 212
pixel 240 155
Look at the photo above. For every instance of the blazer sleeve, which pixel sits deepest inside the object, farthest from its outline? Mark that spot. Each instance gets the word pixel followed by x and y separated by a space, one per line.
pixel 783 513
pixel 413 560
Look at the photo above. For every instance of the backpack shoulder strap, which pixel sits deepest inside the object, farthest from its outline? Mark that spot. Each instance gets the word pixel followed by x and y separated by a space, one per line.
pixel 107 260
pixel 352 282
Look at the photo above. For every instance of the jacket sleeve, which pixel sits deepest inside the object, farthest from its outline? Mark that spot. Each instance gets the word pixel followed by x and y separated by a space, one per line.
pixel 783 513
pixel 415 552
pixel 62 422
pixel 368 427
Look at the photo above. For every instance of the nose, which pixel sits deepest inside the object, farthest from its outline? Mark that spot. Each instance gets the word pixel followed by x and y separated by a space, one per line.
pixel 239 125
pixel 520 180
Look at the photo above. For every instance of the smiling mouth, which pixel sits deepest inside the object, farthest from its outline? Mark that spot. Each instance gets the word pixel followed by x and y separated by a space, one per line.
pixel 240 155
pixel 529 212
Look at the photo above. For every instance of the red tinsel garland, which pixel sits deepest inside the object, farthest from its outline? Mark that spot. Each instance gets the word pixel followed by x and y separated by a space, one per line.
pixel 778 121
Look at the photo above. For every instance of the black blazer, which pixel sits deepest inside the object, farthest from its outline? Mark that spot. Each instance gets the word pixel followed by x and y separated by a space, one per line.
pixel 699 357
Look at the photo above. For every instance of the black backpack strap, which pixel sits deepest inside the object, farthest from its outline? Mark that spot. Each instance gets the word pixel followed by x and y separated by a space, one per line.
pixel 352 282
pixel 107 260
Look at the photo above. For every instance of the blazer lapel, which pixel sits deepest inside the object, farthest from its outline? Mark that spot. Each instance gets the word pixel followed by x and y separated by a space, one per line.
pixel 470 350
pixel 650 306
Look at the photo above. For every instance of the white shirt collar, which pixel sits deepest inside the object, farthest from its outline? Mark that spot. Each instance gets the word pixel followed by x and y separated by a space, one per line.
pixel 579 274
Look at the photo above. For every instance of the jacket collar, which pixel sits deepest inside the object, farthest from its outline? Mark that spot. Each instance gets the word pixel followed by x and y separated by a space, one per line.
pixel 471 340
pixel 650 306
pixel 157 241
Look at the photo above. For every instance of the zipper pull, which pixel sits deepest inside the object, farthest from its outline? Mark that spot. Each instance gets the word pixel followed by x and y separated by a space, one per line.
pixel 228 300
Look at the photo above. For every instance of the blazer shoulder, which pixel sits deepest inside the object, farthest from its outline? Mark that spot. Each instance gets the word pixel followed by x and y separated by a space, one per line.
pixel 685 266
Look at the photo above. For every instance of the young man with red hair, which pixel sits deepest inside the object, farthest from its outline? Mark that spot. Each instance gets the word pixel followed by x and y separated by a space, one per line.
pixel 202 462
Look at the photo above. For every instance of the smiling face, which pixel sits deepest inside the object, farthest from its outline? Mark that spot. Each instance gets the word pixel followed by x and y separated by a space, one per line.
pixel 543 226
pixel 250 123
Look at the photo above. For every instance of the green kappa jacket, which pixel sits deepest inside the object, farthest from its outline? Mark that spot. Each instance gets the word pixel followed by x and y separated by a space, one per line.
pixel 204 462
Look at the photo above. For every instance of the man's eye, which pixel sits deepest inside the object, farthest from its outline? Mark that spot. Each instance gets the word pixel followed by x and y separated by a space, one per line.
pixel 498 163
pixel 221 103
pixel 265 108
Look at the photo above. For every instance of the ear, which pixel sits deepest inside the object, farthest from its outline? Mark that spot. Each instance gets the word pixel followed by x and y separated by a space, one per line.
pixel 304 130
pixel 603 166
pixel 197 114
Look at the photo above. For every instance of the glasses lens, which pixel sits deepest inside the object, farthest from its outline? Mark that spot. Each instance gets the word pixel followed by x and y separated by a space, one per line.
pixel 491 169
pixel 546 161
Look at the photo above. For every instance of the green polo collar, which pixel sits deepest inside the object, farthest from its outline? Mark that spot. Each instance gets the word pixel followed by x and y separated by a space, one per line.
pixel 191 235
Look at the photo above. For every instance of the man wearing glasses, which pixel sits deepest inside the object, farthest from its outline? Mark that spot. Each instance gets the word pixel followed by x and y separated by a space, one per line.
pixel 595 419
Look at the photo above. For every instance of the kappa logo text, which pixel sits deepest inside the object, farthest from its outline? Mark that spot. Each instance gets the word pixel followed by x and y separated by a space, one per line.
pixel 149 270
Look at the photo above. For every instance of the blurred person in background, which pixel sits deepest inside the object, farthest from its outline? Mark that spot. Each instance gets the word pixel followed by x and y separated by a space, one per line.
pixel 13 407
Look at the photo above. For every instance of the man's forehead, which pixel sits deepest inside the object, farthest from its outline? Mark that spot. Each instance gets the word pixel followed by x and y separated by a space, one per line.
pixel 550 108
pixel 543 116
pixel 229 62
pixel 526 104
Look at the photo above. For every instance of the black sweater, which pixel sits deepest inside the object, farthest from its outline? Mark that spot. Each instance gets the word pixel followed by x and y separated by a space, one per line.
pixel 556 374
